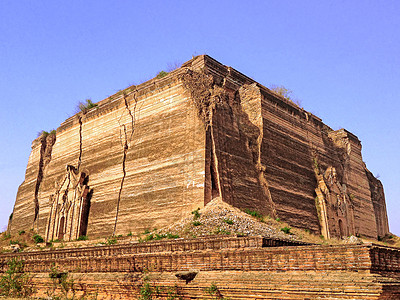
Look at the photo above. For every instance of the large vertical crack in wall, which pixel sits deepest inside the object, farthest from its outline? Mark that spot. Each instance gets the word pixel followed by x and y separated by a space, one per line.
pixel 47 141
pixel 202 91
pixel 251 120
pixel 80 143
pixel 125 144
pixel 215 102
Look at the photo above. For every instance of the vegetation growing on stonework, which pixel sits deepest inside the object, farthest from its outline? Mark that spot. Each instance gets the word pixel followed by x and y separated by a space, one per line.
pixel 253 213
pixel 37 238
pixel 228 221
pixel 286 229
pixel 46 133
pixel 161 74
pixel 82 238
pixel 157 236
pixel 61 281
pixel 282 91
pixel 111 241
pixel 196 223
pixel 196 214
pixel 285 93
pixel 84 107
pixel 14 282
pixel 214 292
pixel 149 291
pixel 220 230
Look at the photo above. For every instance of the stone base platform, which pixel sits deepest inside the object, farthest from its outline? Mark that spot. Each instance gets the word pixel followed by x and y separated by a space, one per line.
pixel 217 268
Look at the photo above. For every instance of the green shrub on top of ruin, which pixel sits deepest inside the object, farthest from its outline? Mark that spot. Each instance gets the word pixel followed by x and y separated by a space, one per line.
pixel 285 93
pixel 130 233
pixel 84 107
pixel 37 238
pixel 161 74
pixel 21 232
pixel 46 133
pixel 281 91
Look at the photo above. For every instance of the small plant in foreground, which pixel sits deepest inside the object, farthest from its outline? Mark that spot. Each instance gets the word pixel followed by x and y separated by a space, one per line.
pixel 196 223
pixel 286 230
pixel 220 230
pixel 213 291
pixel 60 279
pixel 228 221
pixel 147 291
pixel 172 236
pixel 14 282
pixel 253 213
pixel 6 236
pixel 130 233
pixel 21 232
pixel 196 214
pixel 37 238
pixel 82 238
pixel 111 241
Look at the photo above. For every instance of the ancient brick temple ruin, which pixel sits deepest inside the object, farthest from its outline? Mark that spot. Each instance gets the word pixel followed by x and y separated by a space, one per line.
pixel 150 154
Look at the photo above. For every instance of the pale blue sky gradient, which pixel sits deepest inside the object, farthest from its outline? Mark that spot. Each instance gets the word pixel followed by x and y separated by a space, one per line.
pixel 340 58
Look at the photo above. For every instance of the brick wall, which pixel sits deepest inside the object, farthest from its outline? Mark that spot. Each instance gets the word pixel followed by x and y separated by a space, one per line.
pixel 241 267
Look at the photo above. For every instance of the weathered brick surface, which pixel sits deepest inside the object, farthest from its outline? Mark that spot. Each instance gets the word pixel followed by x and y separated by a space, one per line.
pixel 150 154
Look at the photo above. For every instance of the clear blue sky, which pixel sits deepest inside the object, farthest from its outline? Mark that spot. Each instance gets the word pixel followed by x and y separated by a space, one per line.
pixel 341 59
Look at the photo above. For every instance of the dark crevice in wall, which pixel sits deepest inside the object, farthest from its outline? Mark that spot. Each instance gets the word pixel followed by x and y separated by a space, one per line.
pixel 125 143
pixel 47 141
pixel 80 143
pixel 125 150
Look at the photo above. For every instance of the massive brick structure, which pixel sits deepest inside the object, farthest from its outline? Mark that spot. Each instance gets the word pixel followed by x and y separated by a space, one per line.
pixel 149 154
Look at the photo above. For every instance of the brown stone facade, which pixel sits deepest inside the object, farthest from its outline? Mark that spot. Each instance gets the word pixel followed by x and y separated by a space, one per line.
pixel 238 267
pixel 148 155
